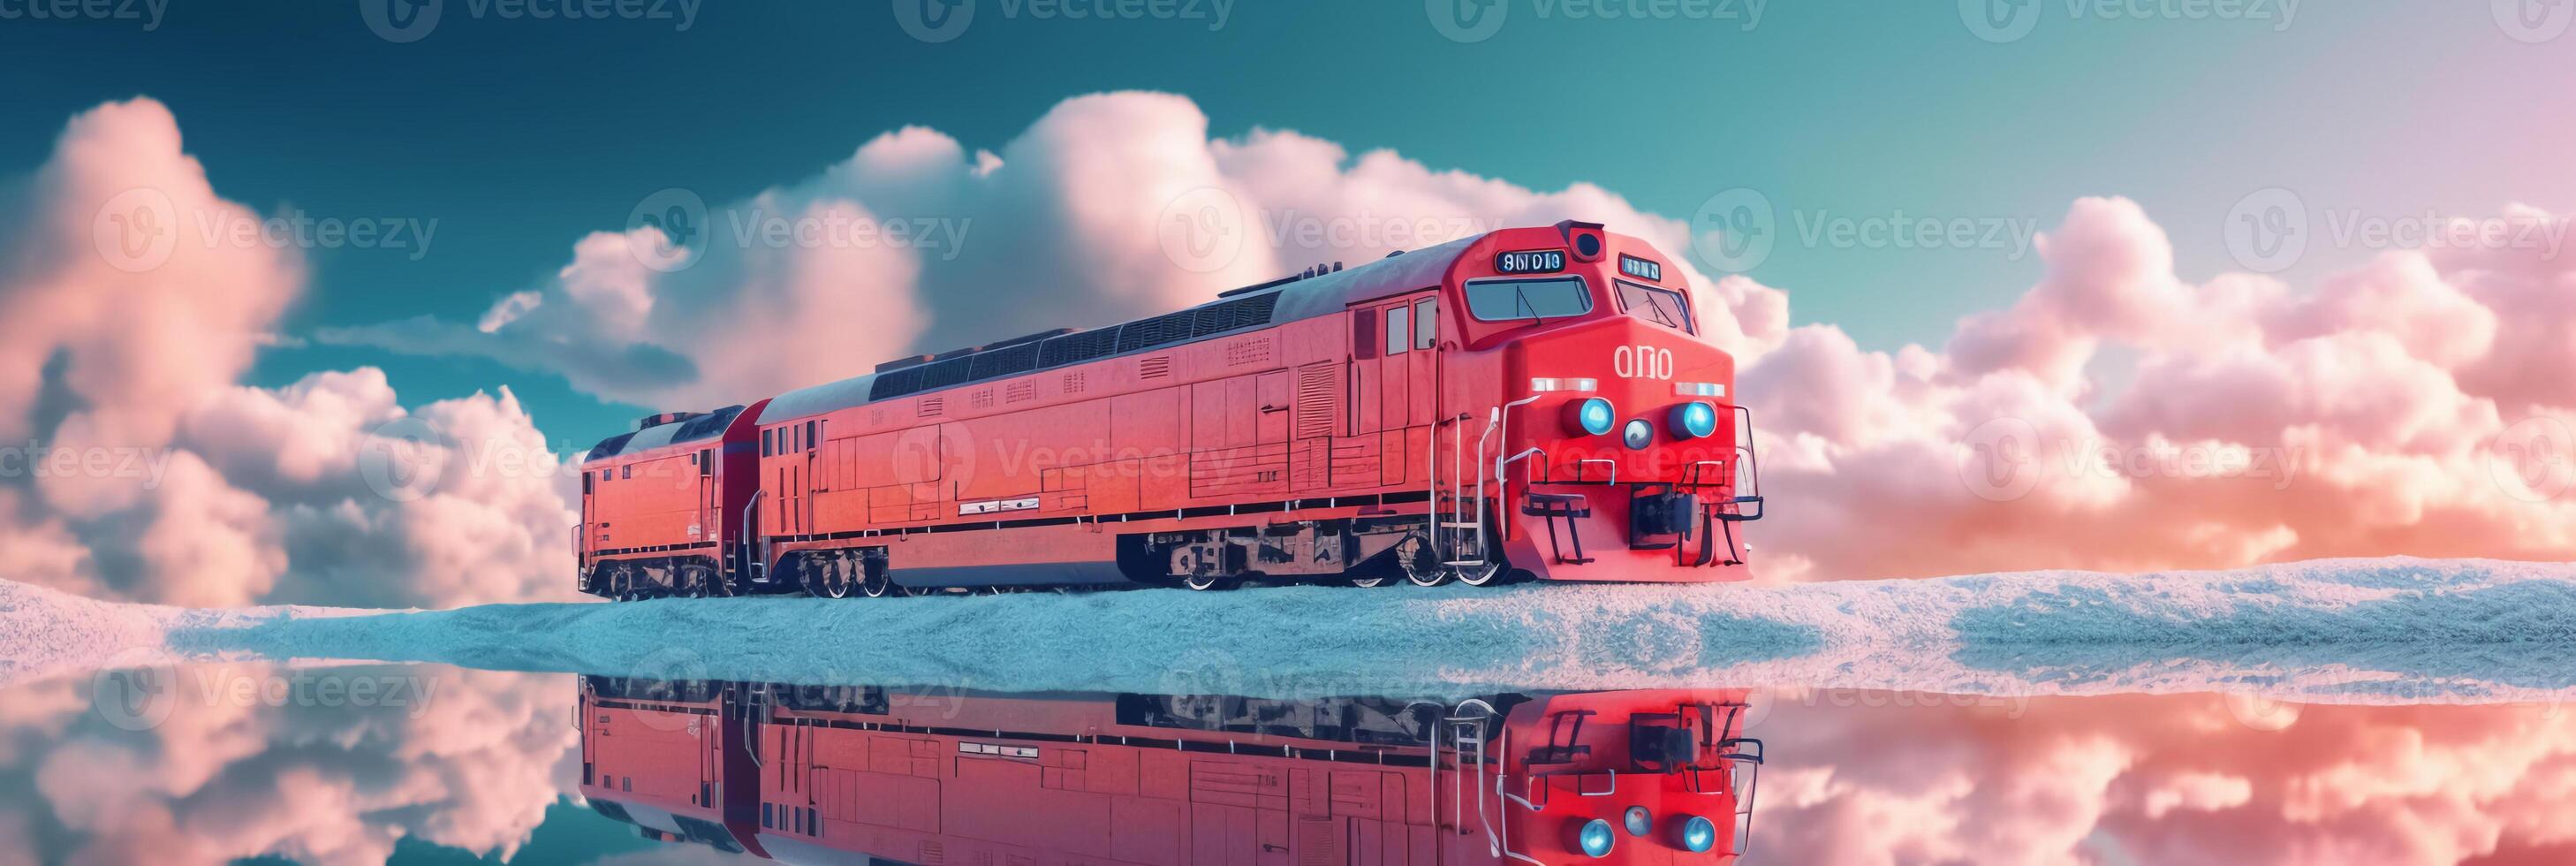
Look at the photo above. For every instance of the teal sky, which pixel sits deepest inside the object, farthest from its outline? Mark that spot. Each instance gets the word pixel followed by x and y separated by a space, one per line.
pixel 519 136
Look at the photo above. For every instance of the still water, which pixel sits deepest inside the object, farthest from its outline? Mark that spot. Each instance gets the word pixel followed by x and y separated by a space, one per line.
pixel 431 763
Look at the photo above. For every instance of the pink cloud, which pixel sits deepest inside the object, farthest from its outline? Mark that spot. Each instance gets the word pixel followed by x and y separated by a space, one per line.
pixel 2182 778
pixel 2118 417
pixel 467 759
pixel 165 481
pixel 1110 206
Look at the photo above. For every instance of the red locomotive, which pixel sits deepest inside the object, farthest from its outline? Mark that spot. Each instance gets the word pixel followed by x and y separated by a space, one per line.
pixel 857 775
pixel 1531 403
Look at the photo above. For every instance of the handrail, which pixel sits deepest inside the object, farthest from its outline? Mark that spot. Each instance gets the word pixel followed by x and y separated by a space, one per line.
pixel 1748 461
pixel 749 745
pixel 1502 425
pixel 1691 477
pixel 748 549
pixel 1614 470
pixel 1744 785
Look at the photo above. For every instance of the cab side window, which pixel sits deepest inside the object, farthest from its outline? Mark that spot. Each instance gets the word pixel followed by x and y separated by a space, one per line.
pixel 1399 330
pixel 1426 323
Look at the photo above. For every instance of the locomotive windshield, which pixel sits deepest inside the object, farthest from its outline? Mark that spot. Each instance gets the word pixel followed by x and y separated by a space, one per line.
pixel 1512 300
pixel 1662 306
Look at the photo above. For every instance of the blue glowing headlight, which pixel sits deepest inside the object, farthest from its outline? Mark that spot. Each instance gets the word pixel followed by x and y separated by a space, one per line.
pixel 1594 838
pixel 1694 420
pixel 1640 822
pixel 1698 834
pixel 1592 416
pixel 1637 435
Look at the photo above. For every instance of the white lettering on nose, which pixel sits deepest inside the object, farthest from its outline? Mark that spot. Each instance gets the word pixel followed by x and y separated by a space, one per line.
pixel 1642 361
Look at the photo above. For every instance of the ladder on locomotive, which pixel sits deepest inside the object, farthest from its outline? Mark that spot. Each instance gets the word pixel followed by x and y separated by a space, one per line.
pixel 1467 510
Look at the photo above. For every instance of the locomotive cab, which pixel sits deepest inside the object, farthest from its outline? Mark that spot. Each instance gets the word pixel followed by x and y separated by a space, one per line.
pixel 1612 448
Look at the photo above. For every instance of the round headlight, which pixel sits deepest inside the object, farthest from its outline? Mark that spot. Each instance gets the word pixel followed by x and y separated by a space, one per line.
pixel 1594 838
pixel 1698 834
pixel 1591 416
pixel 1640 822
pixel 1694 420
pixel 1638 434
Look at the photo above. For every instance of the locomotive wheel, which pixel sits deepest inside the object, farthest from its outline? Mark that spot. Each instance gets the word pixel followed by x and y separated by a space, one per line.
pixel 834 582
pixel 1489 574
pixel 1208 582
pixel 1421 565
pixel 874 582
pixel 1370 580
pixel 692 582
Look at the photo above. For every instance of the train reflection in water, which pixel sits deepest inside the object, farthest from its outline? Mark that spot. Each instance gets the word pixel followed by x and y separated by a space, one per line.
pixel 852 774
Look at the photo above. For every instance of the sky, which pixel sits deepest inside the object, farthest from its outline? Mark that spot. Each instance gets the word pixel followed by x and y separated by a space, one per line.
pixel 517 134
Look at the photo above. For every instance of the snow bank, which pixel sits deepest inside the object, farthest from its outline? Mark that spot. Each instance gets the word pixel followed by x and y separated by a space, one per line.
pixel 2348 631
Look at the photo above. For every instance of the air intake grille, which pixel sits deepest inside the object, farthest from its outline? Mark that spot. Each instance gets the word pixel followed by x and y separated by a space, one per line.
pixel 1084 346
pixel 1171 328
pixel 1003 362
pixel 1020 357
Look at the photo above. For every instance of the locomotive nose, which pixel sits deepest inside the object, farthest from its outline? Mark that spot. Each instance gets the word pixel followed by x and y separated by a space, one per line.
pixel 1645 470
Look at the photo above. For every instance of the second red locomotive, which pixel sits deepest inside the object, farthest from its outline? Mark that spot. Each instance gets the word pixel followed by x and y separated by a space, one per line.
pixel 1530 403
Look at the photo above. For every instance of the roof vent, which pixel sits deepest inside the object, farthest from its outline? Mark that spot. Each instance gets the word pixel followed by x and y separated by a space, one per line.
pixel 658 419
